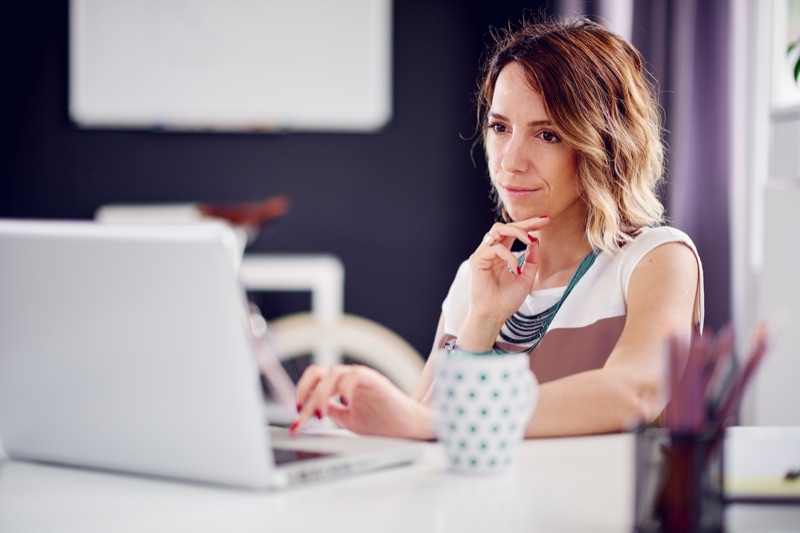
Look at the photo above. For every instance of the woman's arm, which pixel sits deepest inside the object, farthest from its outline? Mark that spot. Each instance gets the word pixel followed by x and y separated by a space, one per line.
pixel 423 391
pixel 629 388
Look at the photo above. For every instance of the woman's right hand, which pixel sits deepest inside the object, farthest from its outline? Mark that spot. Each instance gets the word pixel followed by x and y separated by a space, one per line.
pixel 369 403
pixel 498 286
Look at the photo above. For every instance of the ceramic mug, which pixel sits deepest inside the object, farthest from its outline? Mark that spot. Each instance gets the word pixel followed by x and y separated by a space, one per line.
pixel 483 403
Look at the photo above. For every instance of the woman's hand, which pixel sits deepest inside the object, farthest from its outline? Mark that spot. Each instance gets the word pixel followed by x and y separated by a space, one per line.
pixel 498 285
pixel 368 403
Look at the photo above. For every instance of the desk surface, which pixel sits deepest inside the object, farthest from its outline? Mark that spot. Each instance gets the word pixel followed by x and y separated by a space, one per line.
pixel 576 484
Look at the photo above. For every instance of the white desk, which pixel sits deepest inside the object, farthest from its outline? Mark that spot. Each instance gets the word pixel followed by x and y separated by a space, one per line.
pixel 560 485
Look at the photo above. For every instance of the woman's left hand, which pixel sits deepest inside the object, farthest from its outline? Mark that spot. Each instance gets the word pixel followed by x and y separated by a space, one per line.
pixel 369 403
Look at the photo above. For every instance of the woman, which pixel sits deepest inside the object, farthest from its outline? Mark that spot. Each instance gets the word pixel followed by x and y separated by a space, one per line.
pixel 572 137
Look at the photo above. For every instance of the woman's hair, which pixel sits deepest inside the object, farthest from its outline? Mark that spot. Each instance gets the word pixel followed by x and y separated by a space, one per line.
pixel 597 93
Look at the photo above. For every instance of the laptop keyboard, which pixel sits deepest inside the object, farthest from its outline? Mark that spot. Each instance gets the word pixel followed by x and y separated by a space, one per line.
pixel 283 455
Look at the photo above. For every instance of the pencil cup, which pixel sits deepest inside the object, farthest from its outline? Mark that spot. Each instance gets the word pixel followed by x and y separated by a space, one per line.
pixel 483 404
pixel 679 481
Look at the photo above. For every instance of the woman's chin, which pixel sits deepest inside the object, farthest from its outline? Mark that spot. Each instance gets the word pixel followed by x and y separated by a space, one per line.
pixel 522 214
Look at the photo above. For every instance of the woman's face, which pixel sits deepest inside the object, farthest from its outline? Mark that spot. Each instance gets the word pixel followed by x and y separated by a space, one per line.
pixel 534 171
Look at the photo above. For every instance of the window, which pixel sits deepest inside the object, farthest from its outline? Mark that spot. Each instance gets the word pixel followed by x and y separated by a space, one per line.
pixel 785 30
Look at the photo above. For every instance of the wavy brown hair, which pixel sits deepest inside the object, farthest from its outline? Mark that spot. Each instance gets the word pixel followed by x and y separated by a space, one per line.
pixel 599 96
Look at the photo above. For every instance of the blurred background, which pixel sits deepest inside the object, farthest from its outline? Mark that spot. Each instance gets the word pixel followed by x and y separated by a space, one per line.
pixel 403 202
pixel 401 206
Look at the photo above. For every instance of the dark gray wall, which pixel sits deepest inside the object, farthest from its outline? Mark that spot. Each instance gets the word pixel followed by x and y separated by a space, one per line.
pixel 401 208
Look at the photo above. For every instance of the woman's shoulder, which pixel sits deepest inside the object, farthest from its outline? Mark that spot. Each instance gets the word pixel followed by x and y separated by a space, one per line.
pixel 652 237
pixel 645 241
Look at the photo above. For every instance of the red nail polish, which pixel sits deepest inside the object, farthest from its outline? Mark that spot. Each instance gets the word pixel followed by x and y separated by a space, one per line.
pixel 519 270
pixel 318 414
pixel 545 216
pixel 293 427
pixel 299 407
pixel 531 238
pixel 343 400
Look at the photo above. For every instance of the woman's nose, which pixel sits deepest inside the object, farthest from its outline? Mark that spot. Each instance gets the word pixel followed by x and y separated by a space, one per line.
pixel 515 158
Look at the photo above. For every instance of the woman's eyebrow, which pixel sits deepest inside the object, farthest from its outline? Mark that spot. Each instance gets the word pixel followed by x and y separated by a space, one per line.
pixel 533 123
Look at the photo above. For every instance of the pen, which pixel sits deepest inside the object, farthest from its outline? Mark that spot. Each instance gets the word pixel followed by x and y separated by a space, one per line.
pixel 673 408
pixel 721 351
pixel 731 400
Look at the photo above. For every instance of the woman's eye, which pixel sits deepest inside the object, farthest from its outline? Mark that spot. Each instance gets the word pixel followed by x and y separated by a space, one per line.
pixel 497 127
pixel 549 136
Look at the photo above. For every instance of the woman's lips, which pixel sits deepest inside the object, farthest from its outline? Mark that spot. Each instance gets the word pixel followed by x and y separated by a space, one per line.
pixel 517 192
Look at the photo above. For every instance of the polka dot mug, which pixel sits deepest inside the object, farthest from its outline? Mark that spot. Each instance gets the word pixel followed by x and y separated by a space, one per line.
pixel 483 403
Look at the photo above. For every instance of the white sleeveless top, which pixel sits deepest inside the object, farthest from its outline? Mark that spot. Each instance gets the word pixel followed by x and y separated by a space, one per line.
pixel 590 321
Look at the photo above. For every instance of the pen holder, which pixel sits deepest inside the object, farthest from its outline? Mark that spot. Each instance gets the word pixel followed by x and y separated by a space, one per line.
pixel 679 481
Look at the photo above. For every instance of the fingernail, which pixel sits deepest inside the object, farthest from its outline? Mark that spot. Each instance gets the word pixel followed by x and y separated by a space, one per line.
pixel 519 270
pixel 318 414
pixel 343 400
pixel 293 427
pixel 299 407
pixel 545 216
pixel 531 238
pixel 535 240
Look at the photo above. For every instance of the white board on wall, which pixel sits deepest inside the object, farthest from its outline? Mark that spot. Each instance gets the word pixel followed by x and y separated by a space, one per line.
pixel 231 65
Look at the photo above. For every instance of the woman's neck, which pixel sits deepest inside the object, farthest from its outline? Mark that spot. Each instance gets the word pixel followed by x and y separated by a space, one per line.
pixel 562 247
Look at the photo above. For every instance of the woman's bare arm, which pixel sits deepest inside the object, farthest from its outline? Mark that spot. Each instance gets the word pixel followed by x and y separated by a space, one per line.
pixel 629 388
pixel 423 391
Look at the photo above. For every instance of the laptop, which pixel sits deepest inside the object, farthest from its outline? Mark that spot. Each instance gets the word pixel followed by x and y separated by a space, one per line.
pixel 126 348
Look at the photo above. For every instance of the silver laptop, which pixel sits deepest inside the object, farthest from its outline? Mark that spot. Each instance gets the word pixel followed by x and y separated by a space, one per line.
pixel 126 348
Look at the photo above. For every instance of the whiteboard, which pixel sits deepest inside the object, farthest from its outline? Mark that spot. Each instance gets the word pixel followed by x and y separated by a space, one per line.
pixel 230 65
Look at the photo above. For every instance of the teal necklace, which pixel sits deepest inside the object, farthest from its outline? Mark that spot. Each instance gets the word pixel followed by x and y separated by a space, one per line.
pixel 531 328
